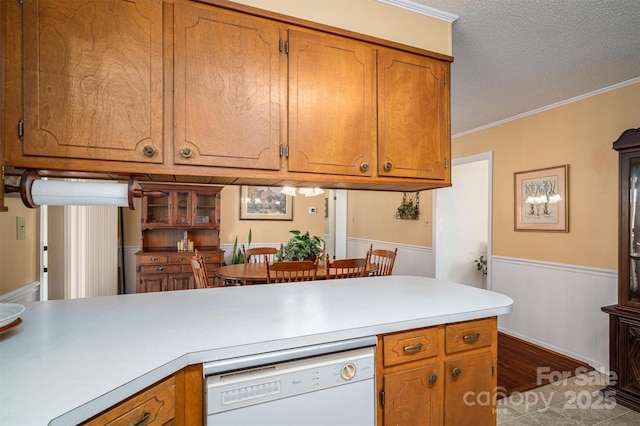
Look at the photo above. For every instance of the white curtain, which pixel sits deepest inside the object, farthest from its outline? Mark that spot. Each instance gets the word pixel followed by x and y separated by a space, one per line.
pixel 90 251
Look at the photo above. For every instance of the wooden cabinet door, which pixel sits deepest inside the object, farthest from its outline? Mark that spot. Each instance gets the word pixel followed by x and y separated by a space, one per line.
pixel 93 79
pixel 152 283
pixel 412 397
pixel 181 282
pixel 413 122
pixel 227 89
pixel 332 108
pixel 469 389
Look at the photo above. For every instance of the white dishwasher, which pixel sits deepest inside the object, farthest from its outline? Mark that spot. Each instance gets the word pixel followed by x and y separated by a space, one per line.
pixel 327 384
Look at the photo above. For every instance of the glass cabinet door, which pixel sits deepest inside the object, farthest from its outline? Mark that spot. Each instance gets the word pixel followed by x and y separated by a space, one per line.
pixel 182 208
pixel 205 209
pixel 634 231
pixel 157 210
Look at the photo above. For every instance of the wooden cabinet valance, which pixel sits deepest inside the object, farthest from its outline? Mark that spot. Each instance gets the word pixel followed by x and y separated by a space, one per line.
pixel 221 92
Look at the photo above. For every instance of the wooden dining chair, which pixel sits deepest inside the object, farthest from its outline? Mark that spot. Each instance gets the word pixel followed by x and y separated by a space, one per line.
pixel 383 259
pixel 259 254
pixel 291 271
pixel 199 270
pixel 346 268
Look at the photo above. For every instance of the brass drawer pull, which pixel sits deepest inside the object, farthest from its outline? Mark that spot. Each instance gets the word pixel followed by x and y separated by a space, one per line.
pixel 181 259
pixel 433 378
pixel 161 269
pixel 471 337
pixel 413 348
pixel 153 259
pixel 456 372
pixel 387 166
pixel 208 258
pixel 364 166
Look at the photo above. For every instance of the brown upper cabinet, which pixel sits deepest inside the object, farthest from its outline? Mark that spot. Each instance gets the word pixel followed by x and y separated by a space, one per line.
pixel 92 80
pixel 223 90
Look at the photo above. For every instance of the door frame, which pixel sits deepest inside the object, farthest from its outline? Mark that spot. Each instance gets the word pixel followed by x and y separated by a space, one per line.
pixel 485 156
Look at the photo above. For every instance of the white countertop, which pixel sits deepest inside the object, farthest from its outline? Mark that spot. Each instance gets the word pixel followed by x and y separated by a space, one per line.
pixel 71 359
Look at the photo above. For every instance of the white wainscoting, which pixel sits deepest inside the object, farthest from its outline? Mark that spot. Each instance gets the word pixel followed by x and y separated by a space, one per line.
pixel 410 260
pixel 558 306
pixel 28 293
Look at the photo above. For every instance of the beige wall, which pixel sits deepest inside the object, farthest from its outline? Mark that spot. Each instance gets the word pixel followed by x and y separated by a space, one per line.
pixel 18 258
pixel 579 134
pixel 371 217
pixel 369 17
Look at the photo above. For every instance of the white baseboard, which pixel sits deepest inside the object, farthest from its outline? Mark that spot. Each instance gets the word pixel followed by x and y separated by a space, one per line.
pixel 28 293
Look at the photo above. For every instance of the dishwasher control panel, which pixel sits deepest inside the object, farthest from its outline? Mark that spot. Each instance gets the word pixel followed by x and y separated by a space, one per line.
pixel 226 391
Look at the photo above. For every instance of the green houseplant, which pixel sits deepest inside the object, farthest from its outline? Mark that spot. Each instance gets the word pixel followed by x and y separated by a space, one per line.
pixel 301 247
pixel 407 210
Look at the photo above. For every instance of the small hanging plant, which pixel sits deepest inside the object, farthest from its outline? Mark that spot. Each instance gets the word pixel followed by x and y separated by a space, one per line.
pixel 409 208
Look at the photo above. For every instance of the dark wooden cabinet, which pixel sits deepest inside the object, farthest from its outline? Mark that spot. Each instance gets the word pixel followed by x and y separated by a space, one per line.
pixel 624 318
pixel 175 210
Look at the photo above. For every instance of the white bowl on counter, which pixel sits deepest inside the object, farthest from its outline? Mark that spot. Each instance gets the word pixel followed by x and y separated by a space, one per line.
pixel 10 312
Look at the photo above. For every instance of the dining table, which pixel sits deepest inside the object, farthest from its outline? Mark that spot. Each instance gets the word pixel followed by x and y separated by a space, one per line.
pixel 256 273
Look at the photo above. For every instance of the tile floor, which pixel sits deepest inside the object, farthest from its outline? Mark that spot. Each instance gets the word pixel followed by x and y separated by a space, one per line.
pixel 574 401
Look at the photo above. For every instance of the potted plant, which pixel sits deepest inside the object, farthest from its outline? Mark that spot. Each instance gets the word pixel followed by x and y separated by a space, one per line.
pixel 301 247
pixel 407 210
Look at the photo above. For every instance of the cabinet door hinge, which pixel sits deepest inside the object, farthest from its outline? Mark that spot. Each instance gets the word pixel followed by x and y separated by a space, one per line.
pixel 445 79
pixel 493 370
pixel 286 47
pixel 381 397
pixel 281 46
pixel 446 163
pixel 284 151
pixel 21 129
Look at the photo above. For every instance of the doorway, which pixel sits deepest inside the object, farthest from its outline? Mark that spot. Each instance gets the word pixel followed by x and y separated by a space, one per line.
pixel 462 217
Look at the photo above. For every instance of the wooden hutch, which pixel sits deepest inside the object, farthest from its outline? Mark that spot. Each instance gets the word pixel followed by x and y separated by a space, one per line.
pixel 624 318
pixel 175 210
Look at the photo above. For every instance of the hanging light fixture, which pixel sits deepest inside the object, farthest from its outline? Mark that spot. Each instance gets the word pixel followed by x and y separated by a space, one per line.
pixel 35 192
pixel 307 192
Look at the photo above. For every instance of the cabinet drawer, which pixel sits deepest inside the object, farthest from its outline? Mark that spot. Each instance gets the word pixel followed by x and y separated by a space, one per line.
pixel 156 405
pixel 463 336
pixel 410 346
pixel 181 257
pixel 150 259
pixel 160 269
pixel 214 258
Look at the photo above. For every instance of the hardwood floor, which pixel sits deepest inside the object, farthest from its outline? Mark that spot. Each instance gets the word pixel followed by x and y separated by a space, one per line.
pixel 519 361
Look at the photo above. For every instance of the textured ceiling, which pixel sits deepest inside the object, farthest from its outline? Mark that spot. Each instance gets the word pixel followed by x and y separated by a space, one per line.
pixel 515 56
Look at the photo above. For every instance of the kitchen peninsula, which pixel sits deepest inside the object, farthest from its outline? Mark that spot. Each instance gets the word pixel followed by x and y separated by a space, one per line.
pixel 72 359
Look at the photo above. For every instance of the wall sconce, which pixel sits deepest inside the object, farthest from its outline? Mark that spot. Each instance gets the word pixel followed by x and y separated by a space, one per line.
pixel 36 192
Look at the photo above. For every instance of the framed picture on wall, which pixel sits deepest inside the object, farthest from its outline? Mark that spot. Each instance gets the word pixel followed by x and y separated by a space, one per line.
pixel 265 203
pixel 542 200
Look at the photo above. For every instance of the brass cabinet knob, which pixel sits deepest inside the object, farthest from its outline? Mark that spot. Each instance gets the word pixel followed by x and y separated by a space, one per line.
pixel 387 166
pixel 364 166
pixel 456 372
pixel 186 152
pixel 148 150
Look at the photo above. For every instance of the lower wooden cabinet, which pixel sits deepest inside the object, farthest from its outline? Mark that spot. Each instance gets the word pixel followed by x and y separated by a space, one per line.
pixel 441 375
pixel 168 271
pixel 175 400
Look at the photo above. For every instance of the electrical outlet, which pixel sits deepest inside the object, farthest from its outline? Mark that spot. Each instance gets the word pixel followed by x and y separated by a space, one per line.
pixel 21 231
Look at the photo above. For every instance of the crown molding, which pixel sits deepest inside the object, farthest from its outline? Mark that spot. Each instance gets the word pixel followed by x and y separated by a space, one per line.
pixel 422 9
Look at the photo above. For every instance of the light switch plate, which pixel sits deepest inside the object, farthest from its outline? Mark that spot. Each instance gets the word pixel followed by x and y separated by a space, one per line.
pixel 21 231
